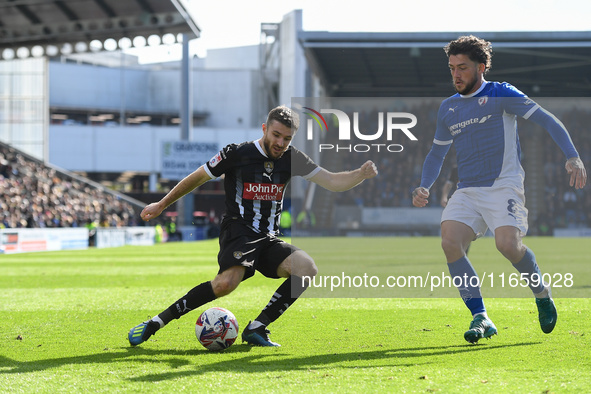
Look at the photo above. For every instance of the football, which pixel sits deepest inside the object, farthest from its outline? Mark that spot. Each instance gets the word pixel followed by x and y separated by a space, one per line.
pixel 216 329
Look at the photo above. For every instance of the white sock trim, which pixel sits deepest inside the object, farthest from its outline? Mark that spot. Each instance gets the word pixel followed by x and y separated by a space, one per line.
pixel 158 320
pixel 546 293
pixel 254 325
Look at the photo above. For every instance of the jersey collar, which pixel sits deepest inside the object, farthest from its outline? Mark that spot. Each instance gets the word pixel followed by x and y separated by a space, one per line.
pixel 484 83
pixel 257 143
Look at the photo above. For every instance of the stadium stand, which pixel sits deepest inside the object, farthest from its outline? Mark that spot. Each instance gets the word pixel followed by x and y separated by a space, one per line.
pixel 567 207
pixel 399 172
pixel 35 195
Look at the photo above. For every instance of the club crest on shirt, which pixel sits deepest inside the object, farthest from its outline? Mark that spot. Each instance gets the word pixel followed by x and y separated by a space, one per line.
pixel 237 255
pixel 215 160
pixel 269 166
pixel 482 100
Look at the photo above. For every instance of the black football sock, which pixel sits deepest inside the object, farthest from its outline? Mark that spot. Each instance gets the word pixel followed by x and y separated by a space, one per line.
pixel 286 294
pixel 197 296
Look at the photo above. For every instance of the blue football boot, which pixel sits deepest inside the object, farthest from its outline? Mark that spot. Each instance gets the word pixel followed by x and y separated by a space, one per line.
pixel 480 327
pixel 142 332
pixel 258 336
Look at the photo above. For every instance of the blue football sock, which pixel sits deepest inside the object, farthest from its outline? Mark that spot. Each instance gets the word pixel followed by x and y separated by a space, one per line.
pixel 461 272
pixel 528 267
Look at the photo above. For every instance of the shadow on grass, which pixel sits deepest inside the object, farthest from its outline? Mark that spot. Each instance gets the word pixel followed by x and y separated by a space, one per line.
pixel 178 358
pixel 242 360
pixel 276 361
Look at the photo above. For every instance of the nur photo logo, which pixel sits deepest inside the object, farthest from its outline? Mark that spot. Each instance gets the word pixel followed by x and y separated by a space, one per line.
pixel 389 124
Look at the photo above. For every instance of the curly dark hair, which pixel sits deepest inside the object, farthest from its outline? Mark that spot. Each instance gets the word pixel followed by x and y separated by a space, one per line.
pixel 285 116
pixel 477 49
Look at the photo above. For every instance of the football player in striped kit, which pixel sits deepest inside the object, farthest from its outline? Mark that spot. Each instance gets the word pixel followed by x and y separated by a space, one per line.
pixel 256 175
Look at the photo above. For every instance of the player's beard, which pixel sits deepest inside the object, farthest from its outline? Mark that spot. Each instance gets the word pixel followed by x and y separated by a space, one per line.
pixel 270 151
pixel 468 86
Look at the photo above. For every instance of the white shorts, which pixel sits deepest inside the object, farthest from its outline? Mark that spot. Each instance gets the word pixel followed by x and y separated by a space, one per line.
pixel 486 207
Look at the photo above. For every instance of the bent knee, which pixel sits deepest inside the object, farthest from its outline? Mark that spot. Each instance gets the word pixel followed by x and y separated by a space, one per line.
pixel 305 266
pixel 309 269
pixel 299 264
pixel 224 287
pixel 224 284
pixel 510 248
pixel 452 247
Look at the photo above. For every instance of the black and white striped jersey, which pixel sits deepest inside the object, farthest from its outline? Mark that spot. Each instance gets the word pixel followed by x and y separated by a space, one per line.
pixel 255 184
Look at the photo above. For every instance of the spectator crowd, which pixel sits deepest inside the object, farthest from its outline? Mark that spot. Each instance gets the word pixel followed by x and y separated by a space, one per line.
pixel 564 205
pixel 34 196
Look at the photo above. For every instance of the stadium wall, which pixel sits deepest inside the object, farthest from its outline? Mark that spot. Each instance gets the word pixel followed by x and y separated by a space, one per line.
pixel 230 97
pixel 19 240
pixel 114 149
pixel 23 240
pixel 351 220
pixel 116 237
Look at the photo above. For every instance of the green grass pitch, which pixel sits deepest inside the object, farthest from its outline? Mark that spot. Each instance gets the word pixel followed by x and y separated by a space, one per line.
pixel 65 318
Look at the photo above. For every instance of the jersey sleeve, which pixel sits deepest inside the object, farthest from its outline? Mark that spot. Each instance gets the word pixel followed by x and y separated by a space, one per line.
pixel 518 103
pixel 441 145
pixel 442 134
pixel 302 165
pixel 515 102
pixel 557 131
pixel 432 165
pixel 221 162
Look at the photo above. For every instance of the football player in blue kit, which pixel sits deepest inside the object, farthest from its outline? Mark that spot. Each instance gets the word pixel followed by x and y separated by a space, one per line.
pixel 480 120
pixel 256 174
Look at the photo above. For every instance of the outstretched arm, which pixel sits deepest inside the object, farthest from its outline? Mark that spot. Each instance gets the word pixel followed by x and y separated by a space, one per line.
pixel 345 180
pixel 574 166
pixel 190 182
pixel 431 170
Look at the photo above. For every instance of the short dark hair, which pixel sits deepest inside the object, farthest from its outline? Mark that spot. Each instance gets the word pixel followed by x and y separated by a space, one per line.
pixel 285 116
pixel 477 49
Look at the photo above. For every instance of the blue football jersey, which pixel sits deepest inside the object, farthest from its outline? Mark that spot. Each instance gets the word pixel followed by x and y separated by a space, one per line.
pixel 483 128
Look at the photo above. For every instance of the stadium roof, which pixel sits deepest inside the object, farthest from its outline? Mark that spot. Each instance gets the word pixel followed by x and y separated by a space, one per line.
pixel 50 27
pixel 556 64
